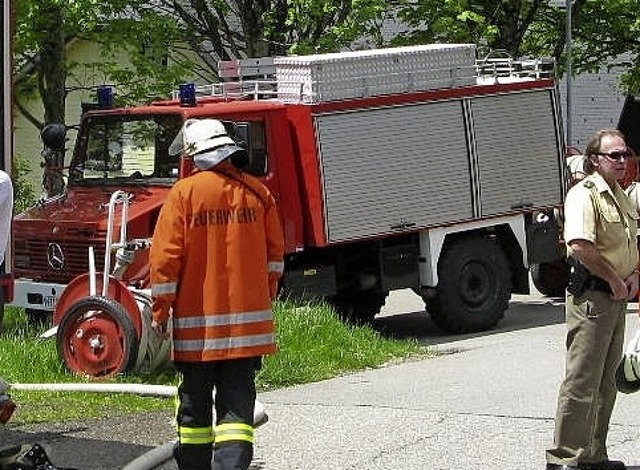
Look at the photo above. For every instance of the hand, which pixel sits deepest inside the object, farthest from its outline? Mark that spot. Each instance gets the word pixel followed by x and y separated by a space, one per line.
pixel 620 289
pixel 160 329
pixel 632 285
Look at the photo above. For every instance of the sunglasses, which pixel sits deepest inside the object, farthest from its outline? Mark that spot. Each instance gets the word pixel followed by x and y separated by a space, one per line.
pixel 616 156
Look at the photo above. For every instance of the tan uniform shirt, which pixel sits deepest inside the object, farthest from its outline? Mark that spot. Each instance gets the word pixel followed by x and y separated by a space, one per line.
pixel 633 191
pixel 605 217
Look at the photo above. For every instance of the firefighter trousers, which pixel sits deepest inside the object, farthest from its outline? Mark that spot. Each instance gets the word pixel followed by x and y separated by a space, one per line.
pixel 230 443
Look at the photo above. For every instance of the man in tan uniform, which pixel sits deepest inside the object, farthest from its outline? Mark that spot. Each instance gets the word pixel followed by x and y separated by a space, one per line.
pixel 600 232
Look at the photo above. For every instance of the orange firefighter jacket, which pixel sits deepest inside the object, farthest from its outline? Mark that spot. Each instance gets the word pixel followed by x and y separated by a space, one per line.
pixel 216 257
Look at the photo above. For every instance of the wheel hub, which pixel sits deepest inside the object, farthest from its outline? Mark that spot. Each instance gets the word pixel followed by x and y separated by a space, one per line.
pixel 475 278
pixel 96 346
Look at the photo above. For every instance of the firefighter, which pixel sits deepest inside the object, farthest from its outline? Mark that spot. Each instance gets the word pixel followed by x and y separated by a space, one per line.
pixel 216 257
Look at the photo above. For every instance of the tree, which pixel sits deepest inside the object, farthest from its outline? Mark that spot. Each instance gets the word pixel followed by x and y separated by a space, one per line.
pixel 214 30
pixel 221 30
pixel 495 25
pixel 45 29
pixel 601 31
pixel 605 30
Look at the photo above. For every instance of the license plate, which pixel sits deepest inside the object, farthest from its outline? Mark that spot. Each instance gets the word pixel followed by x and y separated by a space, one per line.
pixel 50 301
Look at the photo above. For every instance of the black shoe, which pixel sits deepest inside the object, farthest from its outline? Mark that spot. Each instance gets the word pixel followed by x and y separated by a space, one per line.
pixel 606 465
pixel 555 466
pixel 36 458
pixel 8 455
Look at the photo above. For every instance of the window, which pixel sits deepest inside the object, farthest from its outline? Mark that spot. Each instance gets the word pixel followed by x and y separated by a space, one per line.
pixel 127 148
pixel 253 138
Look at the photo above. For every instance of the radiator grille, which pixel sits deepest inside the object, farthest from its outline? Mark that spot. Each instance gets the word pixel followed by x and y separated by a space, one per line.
pixel 31 259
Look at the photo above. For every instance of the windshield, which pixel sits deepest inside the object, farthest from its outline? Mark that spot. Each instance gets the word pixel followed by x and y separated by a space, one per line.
pixel 117 149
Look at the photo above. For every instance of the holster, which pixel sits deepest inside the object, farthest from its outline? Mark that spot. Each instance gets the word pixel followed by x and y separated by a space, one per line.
pixel 581 280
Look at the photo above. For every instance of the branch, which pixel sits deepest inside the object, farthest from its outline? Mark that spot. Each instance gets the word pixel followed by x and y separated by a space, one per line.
pixel 27 114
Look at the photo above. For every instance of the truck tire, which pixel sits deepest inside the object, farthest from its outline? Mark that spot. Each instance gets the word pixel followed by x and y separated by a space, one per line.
pixel 101 344
pixel 359 308
pixel 551 278
pixel 474 286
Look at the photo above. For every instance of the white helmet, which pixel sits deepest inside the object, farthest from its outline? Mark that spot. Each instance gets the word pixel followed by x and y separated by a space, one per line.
pixel 206 141
pixel 628 371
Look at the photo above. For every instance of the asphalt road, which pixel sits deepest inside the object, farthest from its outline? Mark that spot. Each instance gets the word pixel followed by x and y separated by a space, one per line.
pixel 486 401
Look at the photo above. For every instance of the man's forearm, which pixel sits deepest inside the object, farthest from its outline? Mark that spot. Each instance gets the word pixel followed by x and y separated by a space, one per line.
pixel 591 258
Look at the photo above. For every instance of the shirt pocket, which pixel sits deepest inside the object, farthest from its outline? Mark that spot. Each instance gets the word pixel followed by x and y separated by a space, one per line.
pixel 611 215
pixel 633 216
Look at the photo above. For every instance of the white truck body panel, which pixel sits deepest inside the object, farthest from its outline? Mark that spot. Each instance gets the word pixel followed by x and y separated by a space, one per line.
pixel 432 241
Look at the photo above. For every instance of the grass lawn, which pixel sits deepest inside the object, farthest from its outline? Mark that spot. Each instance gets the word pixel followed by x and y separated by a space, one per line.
pixel 313 345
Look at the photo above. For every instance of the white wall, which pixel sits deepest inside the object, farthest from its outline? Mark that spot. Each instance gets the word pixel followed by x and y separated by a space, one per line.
pixel 27 137
pixel 596 102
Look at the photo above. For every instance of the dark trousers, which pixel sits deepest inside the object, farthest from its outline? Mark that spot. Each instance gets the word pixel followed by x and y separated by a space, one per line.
pixel 230 443
pixel 595 337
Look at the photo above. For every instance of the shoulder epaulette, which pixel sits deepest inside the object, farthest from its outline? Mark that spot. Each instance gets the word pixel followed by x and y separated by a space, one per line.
pixel 588 184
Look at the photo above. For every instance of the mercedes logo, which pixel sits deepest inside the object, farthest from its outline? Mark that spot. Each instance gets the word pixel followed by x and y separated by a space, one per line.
pixel 55 256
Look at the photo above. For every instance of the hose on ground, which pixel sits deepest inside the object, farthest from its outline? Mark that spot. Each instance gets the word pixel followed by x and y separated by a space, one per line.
pixel 161 391
pixel 156 456
pixel 153 458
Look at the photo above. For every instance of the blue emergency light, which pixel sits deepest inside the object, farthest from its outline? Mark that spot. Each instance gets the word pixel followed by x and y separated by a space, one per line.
pixel 105 97
pixel 188 94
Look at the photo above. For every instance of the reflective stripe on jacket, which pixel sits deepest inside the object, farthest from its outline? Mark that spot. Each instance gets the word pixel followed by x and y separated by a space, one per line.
pixel 216 257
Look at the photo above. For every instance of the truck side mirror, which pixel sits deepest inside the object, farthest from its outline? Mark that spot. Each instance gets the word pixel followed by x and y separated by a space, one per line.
pixel 54 136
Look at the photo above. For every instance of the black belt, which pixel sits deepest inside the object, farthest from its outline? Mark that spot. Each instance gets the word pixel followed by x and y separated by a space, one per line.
pixel 599 284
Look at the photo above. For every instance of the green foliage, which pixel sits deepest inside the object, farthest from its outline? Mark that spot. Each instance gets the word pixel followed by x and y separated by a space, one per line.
pixel 24 193
pixel 317 26
pixel 604 30
pixel 313 345
pixel 223 29
pixel 490 25
pixel 601 30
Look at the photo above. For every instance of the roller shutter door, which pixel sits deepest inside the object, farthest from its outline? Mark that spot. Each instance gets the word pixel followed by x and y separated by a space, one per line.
pixel 390 169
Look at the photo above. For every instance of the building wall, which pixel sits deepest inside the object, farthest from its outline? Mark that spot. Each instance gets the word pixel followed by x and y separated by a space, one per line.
pixel 596 102
pixel 27 137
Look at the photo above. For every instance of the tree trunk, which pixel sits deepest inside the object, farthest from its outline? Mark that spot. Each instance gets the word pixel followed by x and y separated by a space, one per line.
pixel 52 71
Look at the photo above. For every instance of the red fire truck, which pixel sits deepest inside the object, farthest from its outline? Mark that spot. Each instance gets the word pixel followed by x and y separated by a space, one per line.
pixel 415 167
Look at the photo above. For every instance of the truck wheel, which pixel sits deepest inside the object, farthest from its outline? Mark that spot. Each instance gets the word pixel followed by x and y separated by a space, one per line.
pixel 551 279
pixel 474 287
pixel 96 337
pixel 359 308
